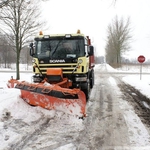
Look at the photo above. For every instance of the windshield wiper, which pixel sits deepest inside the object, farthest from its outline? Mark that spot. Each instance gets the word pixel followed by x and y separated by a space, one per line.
pixel 56 47
pixel 78 46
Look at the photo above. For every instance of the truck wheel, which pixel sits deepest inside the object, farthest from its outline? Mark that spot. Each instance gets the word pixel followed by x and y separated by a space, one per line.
pixel 92 79
pixel 87 91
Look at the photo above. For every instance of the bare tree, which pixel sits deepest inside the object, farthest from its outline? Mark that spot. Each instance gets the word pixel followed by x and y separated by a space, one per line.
pixel 113 2
pixel 4 3
pixel 118 40
pixel 25 58
pixel 21 18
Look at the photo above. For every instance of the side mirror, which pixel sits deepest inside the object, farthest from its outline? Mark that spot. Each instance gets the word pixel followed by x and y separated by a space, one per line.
pixel 31 49
pixel 91 50
pixel 31 44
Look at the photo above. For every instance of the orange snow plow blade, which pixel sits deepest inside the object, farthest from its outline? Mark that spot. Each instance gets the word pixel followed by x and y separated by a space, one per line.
pixel 52 96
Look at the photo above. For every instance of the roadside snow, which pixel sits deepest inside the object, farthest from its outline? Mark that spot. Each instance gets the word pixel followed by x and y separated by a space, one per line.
pixel 142 85
pixel 67 147
pixel 138 134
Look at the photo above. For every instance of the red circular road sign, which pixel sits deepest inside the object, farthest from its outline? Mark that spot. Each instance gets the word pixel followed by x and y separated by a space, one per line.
pixel 141 58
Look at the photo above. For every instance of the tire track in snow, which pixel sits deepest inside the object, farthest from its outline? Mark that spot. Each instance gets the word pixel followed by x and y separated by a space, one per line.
pixel 35 130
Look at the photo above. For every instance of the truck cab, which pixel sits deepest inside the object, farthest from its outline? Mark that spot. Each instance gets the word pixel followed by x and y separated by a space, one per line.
pixel 71 52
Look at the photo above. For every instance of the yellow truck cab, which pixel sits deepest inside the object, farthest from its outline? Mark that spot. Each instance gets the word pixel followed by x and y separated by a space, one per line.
pixel 71 52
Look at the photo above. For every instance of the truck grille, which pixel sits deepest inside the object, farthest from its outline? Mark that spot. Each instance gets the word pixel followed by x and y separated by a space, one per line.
pixel 65 68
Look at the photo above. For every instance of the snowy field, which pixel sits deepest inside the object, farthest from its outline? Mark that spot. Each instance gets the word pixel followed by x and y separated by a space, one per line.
pixel 140 80
pixel 18 109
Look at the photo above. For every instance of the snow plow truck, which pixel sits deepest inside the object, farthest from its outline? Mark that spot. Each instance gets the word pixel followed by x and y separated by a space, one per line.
pixel 63 67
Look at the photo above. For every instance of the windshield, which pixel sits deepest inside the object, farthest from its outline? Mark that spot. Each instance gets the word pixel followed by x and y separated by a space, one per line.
pixel 63 48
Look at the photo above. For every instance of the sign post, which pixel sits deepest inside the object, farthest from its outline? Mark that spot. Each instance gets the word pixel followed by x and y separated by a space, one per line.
pixel 141 59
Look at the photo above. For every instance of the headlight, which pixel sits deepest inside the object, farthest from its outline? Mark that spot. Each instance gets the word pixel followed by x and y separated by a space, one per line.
pixel 80 61
pixel 33 60
pixel 46 36
pixel 78 79
pixel 68 35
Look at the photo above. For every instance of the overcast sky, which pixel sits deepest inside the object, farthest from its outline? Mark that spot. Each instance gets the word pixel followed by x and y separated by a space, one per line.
pixel 93 16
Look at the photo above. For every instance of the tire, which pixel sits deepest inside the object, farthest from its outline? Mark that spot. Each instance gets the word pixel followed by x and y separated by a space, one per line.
pixel 87 91
pixel 92 79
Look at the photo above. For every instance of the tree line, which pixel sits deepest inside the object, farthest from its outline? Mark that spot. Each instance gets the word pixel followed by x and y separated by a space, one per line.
pixel 119 36
pixel 8 55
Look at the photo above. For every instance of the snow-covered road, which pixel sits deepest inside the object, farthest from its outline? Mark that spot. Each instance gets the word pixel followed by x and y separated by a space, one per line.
pixel 111 124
